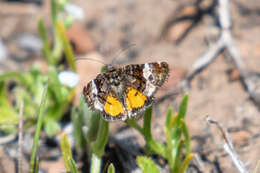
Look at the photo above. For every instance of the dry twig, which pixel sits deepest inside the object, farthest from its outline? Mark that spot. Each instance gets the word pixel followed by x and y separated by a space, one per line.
pixel 225 42
pixel 20 142
pixel 228 146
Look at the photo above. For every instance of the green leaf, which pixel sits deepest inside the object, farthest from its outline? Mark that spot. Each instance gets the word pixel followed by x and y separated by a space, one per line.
pixel 51 126
pixel 185 163
pixel 54 13
pixel 70 164
pixel 111 168
pixel 78 124
pixel 66 46
pixel 17 76
pixel 177 157
pixel 92 124
pixel 147 165
pixel 186 137
pixel 57 47
pixel 169 118
pixel 98 146
pixel 8 119
pixel 8 116
pixel 157 147
pixel 183 107
pixel 46 43
pixel 38 129
pixel 4 96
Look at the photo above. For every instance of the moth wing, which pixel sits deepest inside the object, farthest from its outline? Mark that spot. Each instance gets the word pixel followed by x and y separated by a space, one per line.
pixel 99 96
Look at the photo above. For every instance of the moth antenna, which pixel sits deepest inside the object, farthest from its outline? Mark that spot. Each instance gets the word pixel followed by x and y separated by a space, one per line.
pixel 91 60
pixel 122 51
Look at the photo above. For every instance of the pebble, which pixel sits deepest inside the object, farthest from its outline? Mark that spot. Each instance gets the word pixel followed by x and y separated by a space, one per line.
pixel 3 51
pixel 29 42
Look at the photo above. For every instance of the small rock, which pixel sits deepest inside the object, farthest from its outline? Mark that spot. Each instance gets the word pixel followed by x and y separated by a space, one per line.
pixel 29 42
pixel 3 51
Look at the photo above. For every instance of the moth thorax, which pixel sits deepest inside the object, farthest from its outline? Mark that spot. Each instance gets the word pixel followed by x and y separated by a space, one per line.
pixel 110 68
pixel 117 86
pixel 115 80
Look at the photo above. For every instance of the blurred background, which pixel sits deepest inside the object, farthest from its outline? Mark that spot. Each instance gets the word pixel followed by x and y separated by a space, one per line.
pixel 129 32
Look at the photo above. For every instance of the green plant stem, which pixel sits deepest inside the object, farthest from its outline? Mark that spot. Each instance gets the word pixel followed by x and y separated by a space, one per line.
pixel 66 45
pixel 66 151
pixel 177 157
pixel 57 48
pixel 38 129
pixel 102 137
pixel 98 146
pixel 111 168
pixel 69 163
pixel 183 108
pixel 147 124
pixel 157 147
pixel 186 136
pixel 15 76
pixel 185 163
pixel 95 164
pixel 37 165
pixel 132 123
pixel 169 118
pixel 152 144
pixel 46 44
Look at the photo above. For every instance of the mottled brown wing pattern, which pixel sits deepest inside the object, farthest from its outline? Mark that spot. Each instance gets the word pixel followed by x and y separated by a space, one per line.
pixel 121 93
pixel 159 72
pixel 134 80
pixel 96 93
pixel 146 78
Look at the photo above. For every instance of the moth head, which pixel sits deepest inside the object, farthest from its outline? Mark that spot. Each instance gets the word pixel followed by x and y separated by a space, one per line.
pixel 110 68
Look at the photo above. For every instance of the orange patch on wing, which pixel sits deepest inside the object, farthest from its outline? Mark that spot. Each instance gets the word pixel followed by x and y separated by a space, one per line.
pixel 134 99
pixel 113 106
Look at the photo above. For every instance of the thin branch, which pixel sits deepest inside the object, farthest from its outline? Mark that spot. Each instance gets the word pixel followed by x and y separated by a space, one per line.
pixel 20 141
pixel 228 146
pixel 224 15
pixel 224 42
pixel 238 163
pixel 199 162
pixel 206 59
